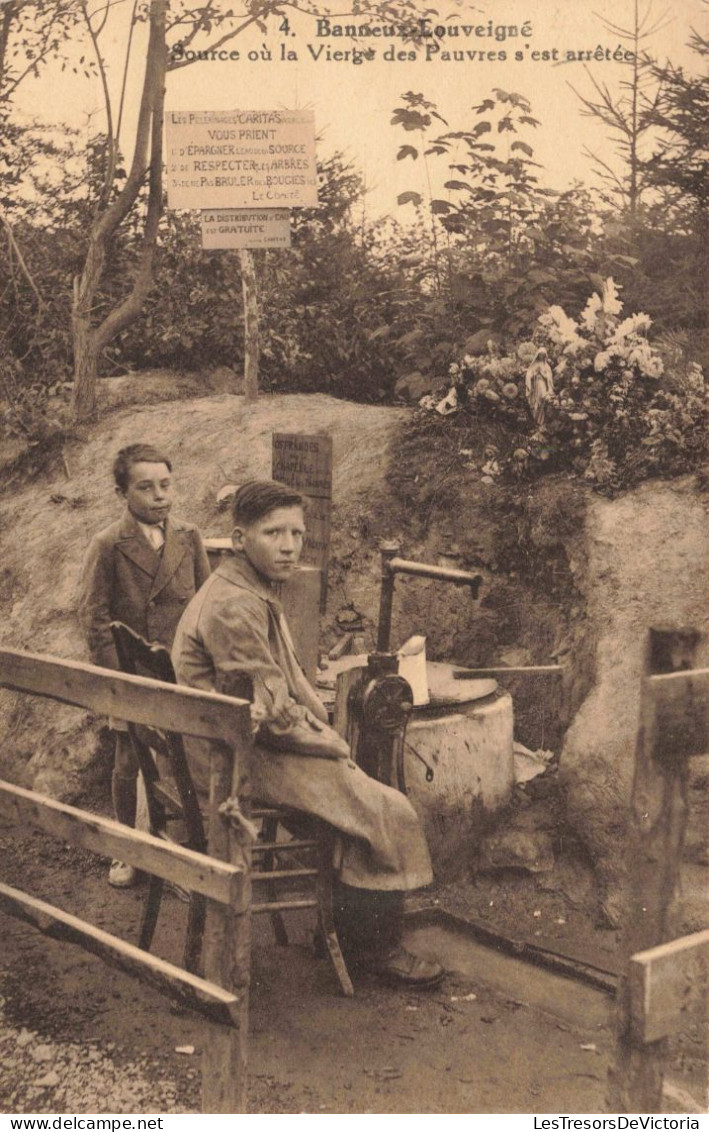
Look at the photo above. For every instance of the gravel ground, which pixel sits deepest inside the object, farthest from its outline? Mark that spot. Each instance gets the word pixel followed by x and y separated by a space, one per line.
pixel 38 1074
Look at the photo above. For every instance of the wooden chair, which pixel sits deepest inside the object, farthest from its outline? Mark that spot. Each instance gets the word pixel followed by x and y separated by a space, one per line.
pixel 174 813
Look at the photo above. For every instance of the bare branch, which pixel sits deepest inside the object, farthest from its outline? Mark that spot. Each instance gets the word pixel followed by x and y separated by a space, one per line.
pixel 663 22
pixel 624 33
pixel 124 81
pixel 110 136
pixel 198 25
pixel 5 28
pixel 607 110
pixel 610 172
pixel 119 208
pixel 13 245
pixel 46 44
pixel 176 64
pixel 130 308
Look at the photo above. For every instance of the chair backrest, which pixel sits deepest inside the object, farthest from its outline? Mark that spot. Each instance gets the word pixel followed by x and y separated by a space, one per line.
pixel 157 750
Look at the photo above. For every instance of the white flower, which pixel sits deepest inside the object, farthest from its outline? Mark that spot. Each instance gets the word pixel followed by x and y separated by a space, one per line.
pixel 448 404
pixel 695 377
pixel 591 311
pixel 562 330
pixel 491 469
pixel 611 302
pixel 574 346
pixel 600 310
pixel 602 360
pixel 641 354
pixel 526 352
pixel 653 367
pixel 636 324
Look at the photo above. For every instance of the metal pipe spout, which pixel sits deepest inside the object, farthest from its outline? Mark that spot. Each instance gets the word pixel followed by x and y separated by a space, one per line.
pixel 393 565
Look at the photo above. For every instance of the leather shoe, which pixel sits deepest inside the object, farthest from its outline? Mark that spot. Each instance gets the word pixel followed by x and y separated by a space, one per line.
pixel 121 875
pixel 401 967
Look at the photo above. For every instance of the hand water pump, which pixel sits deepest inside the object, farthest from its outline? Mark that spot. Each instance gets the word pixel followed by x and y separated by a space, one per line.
pixel 379 701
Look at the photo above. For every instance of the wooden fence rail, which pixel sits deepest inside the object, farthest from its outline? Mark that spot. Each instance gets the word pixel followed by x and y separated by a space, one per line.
pixel 208 998
pixel 196 872
pixel 223 876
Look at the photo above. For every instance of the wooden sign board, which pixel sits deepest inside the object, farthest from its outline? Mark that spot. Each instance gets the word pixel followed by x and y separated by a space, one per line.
pixel 245 228
pixel 669 987
pixel 305 463
pixel 241 159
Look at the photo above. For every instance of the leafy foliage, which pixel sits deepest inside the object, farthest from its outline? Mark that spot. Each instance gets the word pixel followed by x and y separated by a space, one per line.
pixel 628 112
pixel 661 237
pixel 499 248
pixel 591 396
pixel 45 223
pixel 321 302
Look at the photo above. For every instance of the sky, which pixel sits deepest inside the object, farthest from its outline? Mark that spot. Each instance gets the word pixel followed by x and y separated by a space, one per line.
pixel 353 103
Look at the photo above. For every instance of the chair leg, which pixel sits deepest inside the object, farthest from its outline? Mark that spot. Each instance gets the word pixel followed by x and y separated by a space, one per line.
pixel 151 909
pixel 270 833
pixel 196 916
pixel 280 933
pixel 326 919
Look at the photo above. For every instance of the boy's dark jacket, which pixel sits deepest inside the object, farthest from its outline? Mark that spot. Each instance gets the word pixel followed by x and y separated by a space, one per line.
pixel 126 579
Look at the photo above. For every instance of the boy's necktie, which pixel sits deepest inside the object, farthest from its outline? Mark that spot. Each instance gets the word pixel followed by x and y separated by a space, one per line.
pixel 156 535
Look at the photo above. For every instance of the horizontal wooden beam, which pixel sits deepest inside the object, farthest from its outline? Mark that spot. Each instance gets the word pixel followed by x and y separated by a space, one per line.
pixel 218 1004
pixel 669 986
pixel 681 711
pixel 135 698
pixel 196 872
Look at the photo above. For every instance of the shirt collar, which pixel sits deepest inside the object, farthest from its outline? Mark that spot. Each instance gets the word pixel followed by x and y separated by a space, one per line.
pixel 149 529
pixel 237 568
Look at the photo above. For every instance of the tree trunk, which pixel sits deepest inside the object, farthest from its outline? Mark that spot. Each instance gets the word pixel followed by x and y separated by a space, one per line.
pixel 90 340
pixel 85 361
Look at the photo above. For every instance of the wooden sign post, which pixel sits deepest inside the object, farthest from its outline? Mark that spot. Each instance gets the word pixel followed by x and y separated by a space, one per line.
pixel 245 169
pixel 305 463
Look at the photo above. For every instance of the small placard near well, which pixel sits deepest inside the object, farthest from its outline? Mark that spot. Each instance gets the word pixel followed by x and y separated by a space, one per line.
pixel 245 228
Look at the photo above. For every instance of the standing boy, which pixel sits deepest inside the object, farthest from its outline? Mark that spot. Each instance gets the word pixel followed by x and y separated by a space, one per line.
pixel 142 570
pixel 236 624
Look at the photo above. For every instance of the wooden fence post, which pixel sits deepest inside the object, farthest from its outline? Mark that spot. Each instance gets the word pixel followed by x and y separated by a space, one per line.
pixel 654 853
pixel 227 940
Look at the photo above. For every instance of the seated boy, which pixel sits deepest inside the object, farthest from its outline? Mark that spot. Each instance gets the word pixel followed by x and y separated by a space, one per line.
pixel 236 624
pixel 141 570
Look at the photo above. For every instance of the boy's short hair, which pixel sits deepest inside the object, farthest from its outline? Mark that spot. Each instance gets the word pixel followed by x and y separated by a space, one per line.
pixel 136 454
pixel 257 498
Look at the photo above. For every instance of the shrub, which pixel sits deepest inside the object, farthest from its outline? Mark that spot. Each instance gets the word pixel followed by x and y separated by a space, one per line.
pixel 592 396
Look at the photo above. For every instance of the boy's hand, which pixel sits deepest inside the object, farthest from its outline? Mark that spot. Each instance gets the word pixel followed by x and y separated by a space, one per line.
pixel 306 736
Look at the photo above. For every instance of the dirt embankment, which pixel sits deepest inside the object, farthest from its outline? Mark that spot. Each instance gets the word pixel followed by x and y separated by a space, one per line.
pixel 46 525
pixel 47 522
pixel 643 567
pixel 567 576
